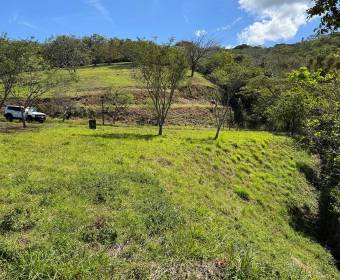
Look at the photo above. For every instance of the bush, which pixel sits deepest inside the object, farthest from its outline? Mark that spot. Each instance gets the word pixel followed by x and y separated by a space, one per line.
pixel 334 220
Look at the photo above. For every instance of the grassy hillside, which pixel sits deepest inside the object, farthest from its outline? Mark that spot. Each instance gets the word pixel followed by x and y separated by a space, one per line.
pixel 81 204
pixel 119 75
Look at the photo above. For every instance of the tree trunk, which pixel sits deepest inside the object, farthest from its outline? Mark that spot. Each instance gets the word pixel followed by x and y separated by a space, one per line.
pixel 160 130
pixel 218 132
pixel 2 102
pixel 192 71
pixel 23 120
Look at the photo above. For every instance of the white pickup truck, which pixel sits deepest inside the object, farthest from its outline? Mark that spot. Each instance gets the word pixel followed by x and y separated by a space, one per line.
pixel 30 114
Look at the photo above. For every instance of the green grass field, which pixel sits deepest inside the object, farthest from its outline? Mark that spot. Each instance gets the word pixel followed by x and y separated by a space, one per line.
pixel 119 75
pixel 120 203
pixel 91 79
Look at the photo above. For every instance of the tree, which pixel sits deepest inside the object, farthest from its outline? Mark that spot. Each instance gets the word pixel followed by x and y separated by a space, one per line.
pixel 221 109
pixel 292 107
pixel 37 78
pixel 66 52
pixel 11 65
pixel 161 69
pixel 117 104
pixel 196 49
pixel 290 111
pixel 262 92
pixel 98 47
pixel 114 52
pixel 321 133
pixel 231 78
pixel 329 10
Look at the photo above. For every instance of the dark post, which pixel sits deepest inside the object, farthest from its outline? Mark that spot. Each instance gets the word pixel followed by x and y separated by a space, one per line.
pixel 92 124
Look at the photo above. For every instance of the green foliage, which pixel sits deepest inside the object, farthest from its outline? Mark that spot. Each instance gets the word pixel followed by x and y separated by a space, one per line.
pixel 97 46
pixel 66 52
pixel 231 77
pixel 281 59
pixel 161 69
pixel 12 61
pixel 321 130
pixel 216 60
pixel 290 111
pixel 329 10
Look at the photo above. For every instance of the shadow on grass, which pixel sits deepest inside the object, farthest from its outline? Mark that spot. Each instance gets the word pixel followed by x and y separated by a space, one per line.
pixel 309 173
pixel 200 140
pixel 126 136
pixel 119 66
pixel 6 127
pixel 304 221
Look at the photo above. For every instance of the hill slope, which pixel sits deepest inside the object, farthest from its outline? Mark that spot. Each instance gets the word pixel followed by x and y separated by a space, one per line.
pixel 82 204
pixel 191 105
pixel 118 75
pixel 314 53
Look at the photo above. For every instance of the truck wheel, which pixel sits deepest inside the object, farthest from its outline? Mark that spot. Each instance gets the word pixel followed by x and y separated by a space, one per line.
pixel 9 117
pixel 29 119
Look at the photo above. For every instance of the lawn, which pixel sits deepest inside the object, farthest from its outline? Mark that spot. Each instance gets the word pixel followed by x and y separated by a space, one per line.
pixel 122 203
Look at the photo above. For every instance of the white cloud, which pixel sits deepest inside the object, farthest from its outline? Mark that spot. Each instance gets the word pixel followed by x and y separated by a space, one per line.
pixel 15 20
pixel 276 20
pixel 27 24
pixel 101 9
pixel 228 47
pixel 200 33
pixel 229 26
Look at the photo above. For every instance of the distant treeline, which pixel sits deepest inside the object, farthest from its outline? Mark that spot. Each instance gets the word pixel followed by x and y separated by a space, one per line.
pixel 95 49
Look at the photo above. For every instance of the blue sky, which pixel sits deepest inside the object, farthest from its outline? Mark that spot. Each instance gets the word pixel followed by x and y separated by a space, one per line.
pixel 230 22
